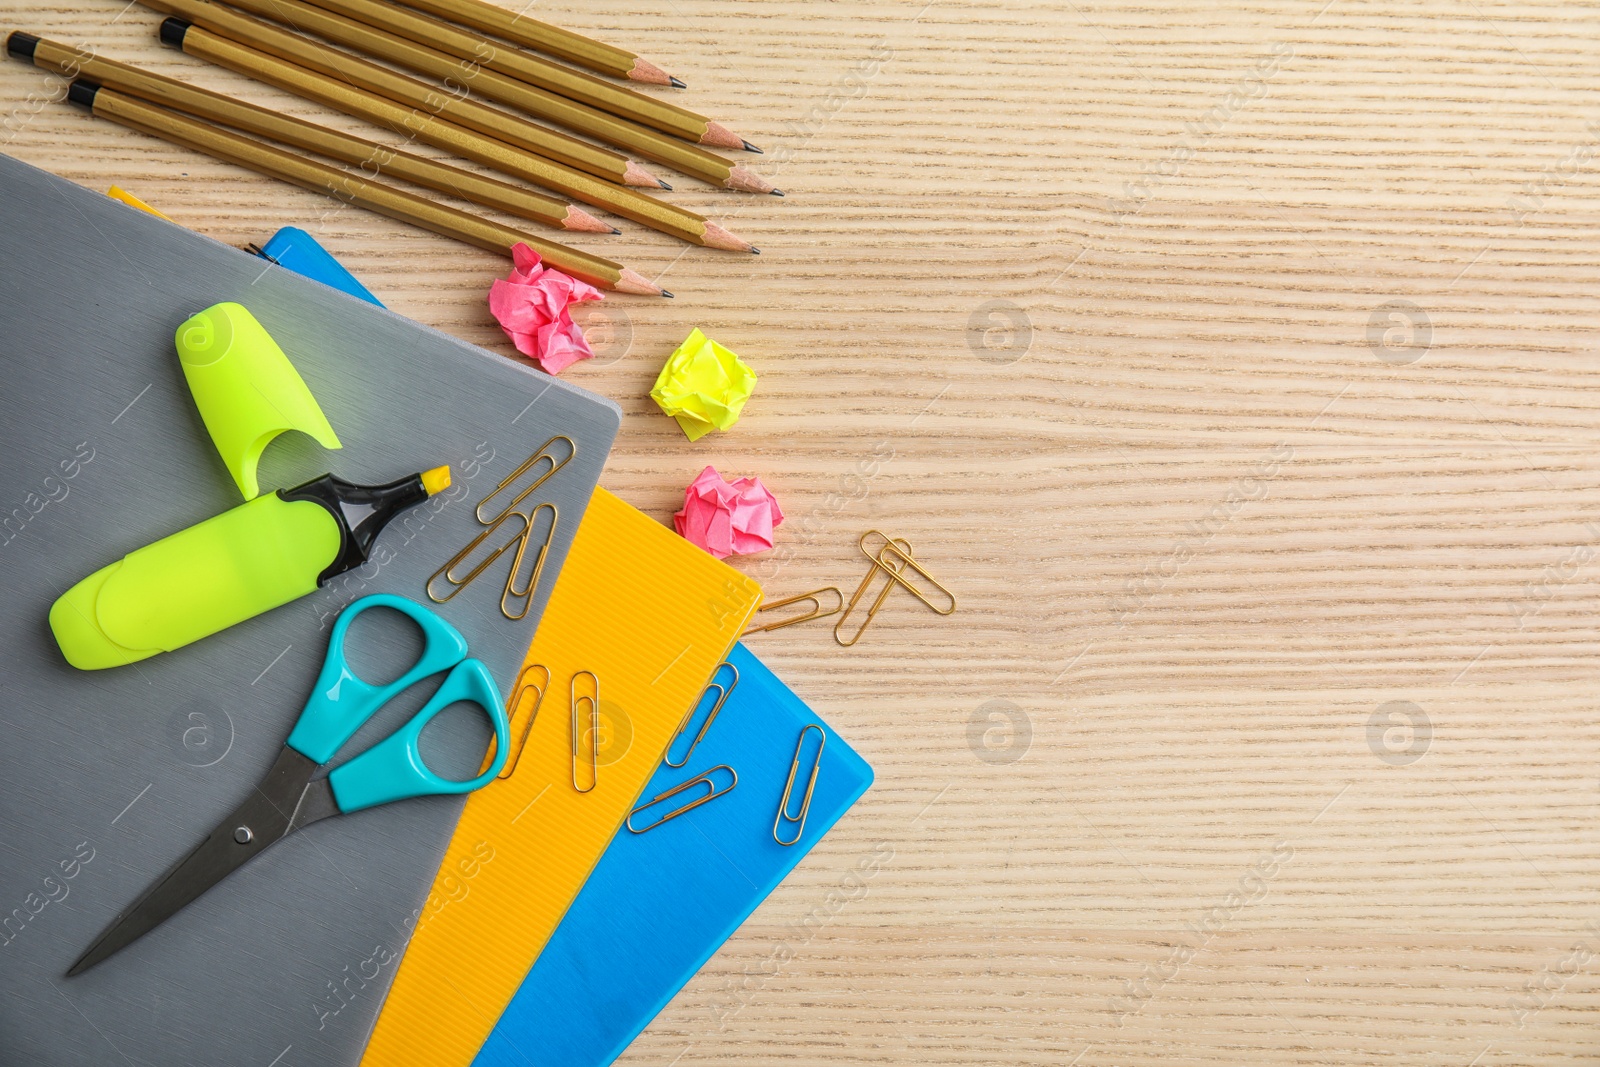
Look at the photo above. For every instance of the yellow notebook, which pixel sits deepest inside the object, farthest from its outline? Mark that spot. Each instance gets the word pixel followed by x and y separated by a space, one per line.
pixel 118 193
pixel 651 616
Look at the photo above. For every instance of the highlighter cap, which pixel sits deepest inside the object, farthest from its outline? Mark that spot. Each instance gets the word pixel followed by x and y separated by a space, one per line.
pixel 246 389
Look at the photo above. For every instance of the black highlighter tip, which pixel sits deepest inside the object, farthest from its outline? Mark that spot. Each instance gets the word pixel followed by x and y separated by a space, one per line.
pixel 21 45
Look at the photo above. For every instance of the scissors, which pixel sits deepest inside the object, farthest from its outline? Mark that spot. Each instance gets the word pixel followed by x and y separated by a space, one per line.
pixel 288 798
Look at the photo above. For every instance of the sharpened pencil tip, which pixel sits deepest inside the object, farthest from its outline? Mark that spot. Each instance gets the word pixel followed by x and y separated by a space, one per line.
pixel 754 251
pixel 778 192
pixel 679 83
pixel 748 147
pixel 615 230
pixel 664 185
pixel 666 294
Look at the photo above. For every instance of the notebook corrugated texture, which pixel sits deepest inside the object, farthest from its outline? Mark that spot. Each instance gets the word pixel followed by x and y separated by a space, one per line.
pixel 661 902
pixel 651 615
pixel 108 777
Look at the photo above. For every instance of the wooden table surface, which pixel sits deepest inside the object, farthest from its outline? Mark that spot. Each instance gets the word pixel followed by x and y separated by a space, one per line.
pixel 1229 363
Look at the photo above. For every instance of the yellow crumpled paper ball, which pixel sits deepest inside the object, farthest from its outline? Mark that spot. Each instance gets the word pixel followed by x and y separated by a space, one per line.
pixel 704 386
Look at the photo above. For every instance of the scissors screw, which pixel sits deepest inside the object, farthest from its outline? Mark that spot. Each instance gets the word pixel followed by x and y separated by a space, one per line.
pixel 243 835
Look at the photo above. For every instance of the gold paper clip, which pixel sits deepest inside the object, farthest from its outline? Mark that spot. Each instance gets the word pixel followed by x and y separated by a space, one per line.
pixel 527 464
pixel 798 820
pixel 815 596
pixel 861 591
pixel 703 778
pixel 512 594
pixel 518 691
pixel 449 569
pixel 594 731
pixel 906 562
pixel 722 697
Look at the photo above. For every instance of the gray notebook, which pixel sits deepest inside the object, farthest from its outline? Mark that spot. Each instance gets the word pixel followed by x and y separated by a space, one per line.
pixel 108 777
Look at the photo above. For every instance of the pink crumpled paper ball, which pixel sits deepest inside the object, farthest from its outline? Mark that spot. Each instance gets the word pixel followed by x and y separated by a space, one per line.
pixel 728 518
pixel 531 307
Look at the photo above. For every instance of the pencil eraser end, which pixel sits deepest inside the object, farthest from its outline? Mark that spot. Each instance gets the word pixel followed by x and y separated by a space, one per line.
pixel 82 93
pixel 173 31
pixel 21 45
pixel 436 481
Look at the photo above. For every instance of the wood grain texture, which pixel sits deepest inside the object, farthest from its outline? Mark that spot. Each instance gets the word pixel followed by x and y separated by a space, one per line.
pixel 1211 499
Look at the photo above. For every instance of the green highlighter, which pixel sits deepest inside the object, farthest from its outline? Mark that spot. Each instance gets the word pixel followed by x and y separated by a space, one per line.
pixel 267 551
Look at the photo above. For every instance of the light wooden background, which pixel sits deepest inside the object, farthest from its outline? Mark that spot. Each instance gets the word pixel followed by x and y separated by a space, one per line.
pixel 1200 258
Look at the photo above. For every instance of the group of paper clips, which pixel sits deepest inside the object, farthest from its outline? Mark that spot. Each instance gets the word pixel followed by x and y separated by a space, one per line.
pixel 584 693
pixel 788 827
pixel 518 523
pixel 893 558
pixel 723 681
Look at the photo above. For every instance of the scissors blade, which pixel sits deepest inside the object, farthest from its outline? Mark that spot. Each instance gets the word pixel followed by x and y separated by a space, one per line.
pixel 272 810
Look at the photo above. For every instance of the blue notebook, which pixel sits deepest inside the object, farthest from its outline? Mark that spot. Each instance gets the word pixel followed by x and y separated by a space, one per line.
pixel 295 249
pixel 661 902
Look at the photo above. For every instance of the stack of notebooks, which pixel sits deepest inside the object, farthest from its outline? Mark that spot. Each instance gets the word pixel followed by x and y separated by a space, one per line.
pixel 570 900
pixel 599 906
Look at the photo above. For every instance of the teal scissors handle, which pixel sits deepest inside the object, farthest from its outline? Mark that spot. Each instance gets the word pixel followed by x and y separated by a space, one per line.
pixel 341 703
pixel 393 769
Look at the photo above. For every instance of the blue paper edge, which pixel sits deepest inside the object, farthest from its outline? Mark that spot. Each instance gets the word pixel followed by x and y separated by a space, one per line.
pixel 322 266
